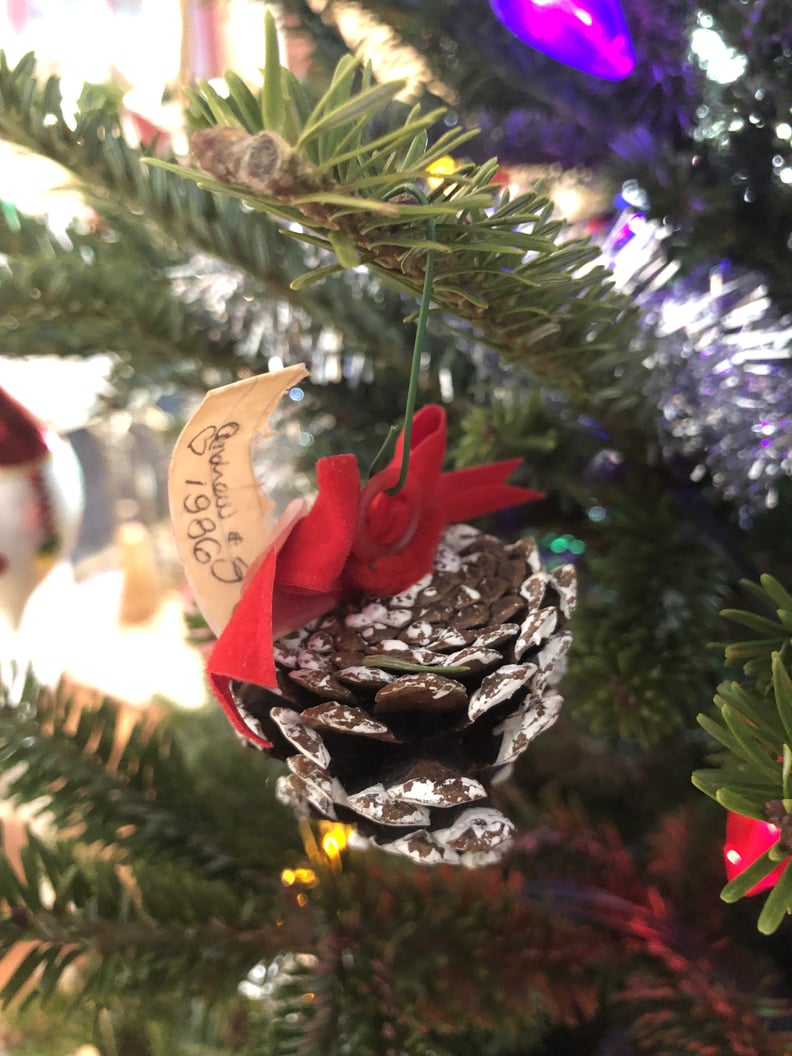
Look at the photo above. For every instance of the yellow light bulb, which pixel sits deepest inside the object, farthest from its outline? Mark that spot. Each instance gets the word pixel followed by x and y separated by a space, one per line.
pixel 334 840
pixel 444 166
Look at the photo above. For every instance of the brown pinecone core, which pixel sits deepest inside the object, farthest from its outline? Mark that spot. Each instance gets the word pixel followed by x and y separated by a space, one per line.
pixel 403 753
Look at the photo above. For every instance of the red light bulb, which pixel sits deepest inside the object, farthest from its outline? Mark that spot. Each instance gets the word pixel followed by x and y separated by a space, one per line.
pixel 746 840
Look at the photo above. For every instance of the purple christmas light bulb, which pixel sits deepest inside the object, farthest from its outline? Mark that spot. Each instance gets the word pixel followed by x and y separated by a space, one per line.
pixel 589 35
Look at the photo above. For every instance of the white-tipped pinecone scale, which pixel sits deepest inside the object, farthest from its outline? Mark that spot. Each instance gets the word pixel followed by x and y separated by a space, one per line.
pixel 408 756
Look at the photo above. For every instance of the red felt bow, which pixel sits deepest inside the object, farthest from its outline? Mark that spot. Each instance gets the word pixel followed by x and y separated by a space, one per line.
pixel 352 542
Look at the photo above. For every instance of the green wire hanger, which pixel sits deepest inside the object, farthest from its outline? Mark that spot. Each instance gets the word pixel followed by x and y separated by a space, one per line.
pixel 415 364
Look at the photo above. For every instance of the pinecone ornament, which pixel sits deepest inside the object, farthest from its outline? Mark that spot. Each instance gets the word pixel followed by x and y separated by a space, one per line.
pixel 394 714
pixel 397 705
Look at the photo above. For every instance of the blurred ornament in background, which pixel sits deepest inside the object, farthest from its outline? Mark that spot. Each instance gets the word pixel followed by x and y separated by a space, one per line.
pixel 41 504
pixel 588 35
pixel 142 591
pixel 720 363
pixel 150 123
pixel 746 840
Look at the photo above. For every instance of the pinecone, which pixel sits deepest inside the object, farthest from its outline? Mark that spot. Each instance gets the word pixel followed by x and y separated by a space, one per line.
pixel 395 714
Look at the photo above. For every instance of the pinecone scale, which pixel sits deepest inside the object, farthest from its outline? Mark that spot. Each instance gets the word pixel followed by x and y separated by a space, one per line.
pixel 395 714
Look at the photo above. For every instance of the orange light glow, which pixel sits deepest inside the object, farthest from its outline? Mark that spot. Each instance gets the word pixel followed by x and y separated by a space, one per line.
pixel 334 841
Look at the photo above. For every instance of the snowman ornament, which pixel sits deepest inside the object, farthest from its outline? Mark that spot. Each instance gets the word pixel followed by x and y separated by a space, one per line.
pixel 41 500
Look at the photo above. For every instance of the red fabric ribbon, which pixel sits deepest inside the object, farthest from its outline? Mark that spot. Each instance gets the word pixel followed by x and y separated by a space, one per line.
pixel 354 542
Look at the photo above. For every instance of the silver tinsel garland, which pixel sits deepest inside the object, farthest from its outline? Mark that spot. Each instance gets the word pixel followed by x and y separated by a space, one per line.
pixel 720 364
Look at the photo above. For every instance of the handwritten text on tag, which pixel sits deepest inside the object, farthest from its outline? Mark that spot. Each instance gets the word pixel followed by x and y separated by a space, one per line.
pixel 221 518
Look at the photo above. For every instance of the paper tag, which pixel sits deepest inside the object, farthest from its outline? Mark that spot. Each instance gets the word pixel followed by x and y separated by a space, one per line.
pixel 221 518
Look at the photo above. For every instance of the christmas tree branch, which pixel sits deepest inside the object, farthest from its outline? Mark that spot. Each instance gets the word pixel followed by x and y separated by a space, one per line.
pixel 332 166
pixel 486 958
pixel 92 148
pixel 502 271
pixel 537 941
pixel 99 294
pixel 142 928
pixel 640 666
pixel 137 793
pixel 754 729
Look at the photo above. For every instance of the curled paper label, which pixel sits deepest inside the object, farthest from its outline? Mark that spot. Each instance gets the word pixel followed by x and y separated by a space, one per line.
pixel 221 518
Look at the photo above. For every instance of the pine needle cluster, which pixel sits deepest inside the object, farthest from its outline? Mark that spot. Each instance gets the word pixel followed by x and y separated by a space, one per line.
pixel 754 729
pixel 165 882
